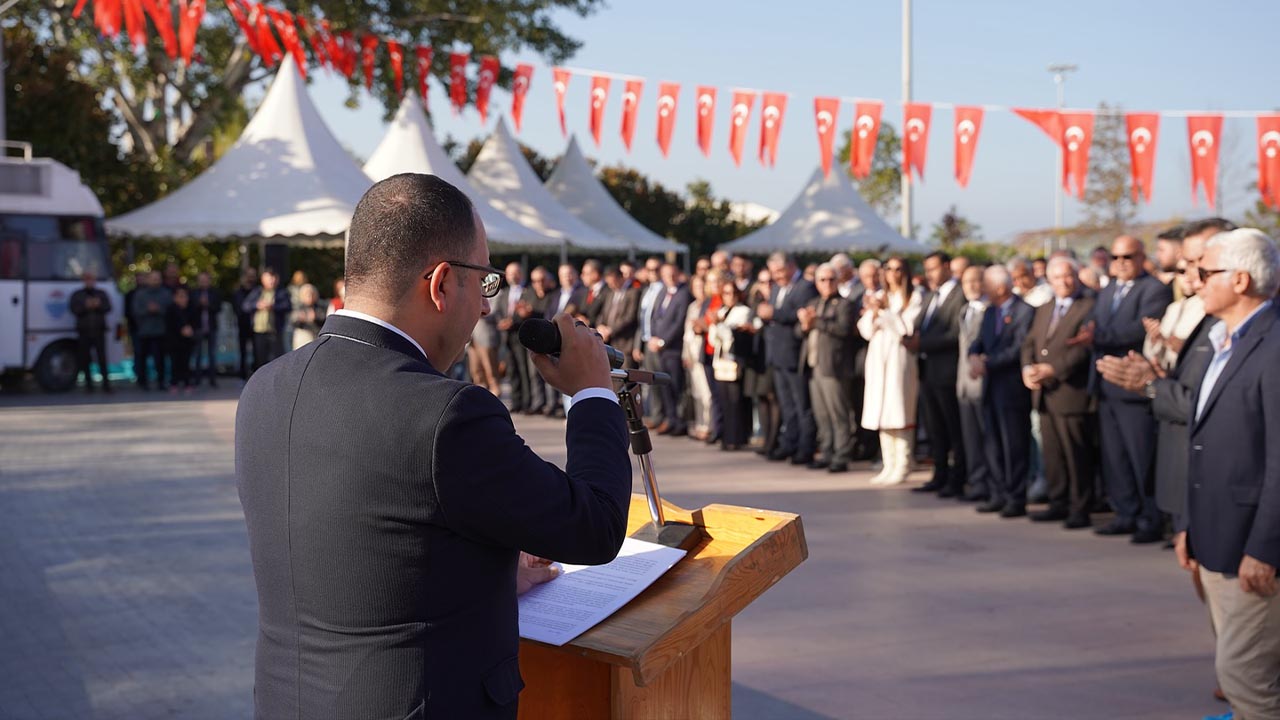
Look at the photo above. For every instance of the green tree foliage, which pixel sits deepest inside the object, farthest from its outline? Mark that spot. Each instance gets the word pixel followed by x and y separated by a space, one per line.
pixel 464 158
pixel 883 187
pixel 1108 199
pixel 648 201
pixel 953 229
pixel 707 222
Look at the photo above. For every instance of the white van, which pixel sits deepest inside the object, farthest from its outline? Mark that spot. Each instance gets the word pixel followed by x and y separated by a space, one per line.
pixel 51 231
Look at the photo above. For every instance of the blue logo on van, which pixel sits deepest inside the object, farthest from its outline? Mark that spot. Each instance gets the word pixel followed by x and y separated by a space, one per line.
pixel 56 305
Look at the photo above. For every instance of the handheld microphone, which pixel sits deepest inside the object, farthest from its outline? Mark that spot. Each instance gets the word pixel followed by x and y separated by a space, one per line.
pixel 543 337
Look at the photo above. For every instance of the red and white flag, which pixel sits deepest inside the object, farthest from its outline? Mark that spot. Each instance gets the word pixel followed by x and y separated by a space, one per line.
pixel 1050 121
pixel 1269 159
pixel 283 22
pixel 706 117
pixel 825 112
pixel 968 125
pixel 237 13
pixel 771 112
pixel 862 141
pixel 739 115
pixel 630 106
pixel 396 53
pixel 484 84
pixel 368 44
pixel 313 36
pixel 268 48
pixel 561 87
pixel 458 80
pixel 668 93
pixel 423 54
pixel 1205 133
pixel 135 23
pixel 915 137
pixel 162 16
pixel 599 96
pixel 189 22
pixel 346 43
pixel 519 89
pixel 1143 130
pixel 1077 136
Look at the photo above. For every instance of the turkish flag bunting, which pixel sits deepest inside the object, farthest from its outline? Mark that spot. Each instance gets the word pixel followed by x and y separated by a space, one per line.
pixel 1143 129
pixel 771 112
pixel 484 84
pixel 915 137
pixel 423 54
pixel 667 95
pixel 1050 121
pixel 739 115
pixel 1077 136
pixel 599 96
pixel 135 23
pixel 1269 159
pixel 242 20
pixel 268 49
pixel 396 53
pixel 561 87
pixel 706 117
pixel 289 36
pixel 968 125
pixel 368 44
pixel 106 16
pixel 192 15
pixel 630 106
pixel 458 80
pixel 162 15
pixel 319 46
pixel 346 43
pixel 519 89
pixel 866 130
pixel 825 110
pixel 1204 131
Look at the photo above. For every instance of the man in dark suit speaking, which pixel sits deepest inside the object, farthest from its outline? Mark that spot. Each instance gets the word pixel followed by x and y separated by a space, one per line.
pixel 388 505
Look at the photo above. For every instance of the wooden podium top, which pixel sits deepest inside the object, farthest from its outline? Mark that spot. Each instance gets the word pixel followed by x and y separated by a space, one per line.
pixel 745 552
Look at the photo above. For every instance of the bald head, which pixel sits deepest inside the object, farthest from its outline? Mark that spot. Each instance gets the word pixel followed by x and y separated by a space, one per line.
pixel 1127 257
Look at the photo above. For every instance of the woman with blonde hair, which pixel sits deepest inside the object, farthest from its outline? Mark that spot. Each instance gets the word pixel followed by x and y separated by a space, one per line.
pixel 892 381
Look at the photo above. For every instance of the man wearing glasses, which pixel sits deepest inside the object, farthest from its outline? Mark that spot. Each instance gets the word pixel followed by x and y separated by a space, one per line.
pixel 388 505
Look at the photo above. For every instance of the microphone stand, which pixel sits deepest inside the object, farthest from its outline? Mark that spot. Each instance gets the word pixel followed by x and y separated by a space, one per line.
pixel 658 530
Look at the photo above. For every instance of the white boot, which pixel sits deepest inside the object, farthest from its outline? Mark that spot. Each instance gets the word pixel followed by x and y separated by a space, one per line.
pixel 901 450
pixel 886 458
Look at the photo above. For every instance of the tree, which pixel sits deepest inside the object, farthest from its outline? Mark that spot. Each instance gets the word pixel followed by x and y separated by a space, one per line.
pixel 707 222
pixel 648 201
pixel 1108 199
pixel 882 189
pixel 954 229
pixel 464 159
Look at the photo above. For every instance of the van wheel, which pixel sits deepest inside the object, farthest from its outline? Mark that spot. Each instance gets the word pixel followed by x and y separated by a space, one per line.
pixel 57 368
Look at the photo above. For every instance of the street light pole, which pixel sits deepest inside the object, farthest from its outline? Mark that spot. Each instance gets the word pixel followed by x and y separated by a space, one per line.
pixel 906 98
pixel 1060 79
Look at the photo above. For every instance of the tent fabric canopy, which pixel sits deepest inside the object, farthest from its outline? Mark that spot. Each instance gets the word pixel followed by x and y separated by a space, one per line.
pixel 287 179
pixel 829 215
pixel 574 185
pixel 410 146
pixel 503 176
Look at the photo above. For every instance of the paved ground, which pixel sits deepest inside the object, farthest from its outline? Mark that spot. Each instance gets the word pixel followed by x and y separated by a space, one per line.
pixel 126 592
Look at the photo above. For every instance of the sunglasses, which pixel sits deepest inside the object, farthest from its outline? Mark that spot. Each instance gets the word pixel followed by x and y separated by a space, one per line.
pixel 1206 274
pixel 490 282
pixel 1131 256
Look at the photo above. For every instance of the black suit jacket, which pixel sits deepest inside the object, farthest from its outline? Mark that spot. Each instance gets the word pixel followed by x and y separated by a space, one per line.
pixel 1119 332
pixel 281 307
pixel 940 339
pixel 668 318
pixel 577 297
pixel 833 332
pixel 1002 385
pixel 1172 409
pixel 781 342
pixel 622 317
pixel 385 536
pixel 1233 501
pixel 1067 392
pixel 213 309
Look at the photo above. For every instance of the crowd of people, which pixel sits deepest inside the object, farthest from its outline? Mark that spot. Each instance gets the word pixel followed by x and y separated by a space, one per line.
pixel 1083 387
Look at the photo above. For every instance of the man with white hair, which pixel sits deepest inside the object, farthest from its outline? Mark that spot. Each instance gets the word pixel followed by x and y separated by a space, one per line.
pixel 1232 525
pixel 846 278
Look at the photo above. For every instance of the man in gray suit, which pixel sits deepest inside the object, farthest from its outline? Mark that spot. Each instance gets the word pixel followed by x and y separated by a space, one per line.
pixel 828 352
pixel 969 389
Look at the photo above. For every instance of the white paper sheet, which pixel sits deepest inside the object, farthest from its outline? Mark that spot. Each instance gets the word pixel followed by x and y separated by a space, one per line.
pixel 583 595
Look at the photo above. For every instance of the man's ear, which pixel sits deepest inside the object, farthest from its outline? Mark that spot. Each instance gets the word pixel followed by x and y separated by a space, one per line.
pixel 438 287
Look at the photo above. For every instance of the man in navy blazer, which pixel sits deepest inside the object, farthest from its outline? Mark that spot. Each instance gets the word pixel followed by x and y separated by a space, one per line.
pixel 996 356
pixel 666 339
pixel 782 354
pixel 1233 497
pixel 1126 427
pixel 388 505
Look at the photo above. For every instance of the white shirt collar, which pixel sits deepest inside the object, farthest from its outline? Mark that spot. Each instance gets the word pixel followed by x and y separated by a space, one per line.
pixel 384 324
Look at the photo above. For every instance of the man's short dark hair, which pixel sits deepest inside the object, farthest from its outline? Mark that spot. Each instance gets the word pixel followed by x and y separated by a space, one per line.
pixel 942 257
pixel 1173 234
pixel 612 271
pixel 593 264
pixel 399 227
pixel 1199 227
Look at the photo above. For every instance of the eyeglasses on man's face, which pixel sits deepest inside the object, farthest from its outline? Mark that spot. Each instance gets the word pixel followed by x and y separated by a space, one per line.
pixel 490 282
pixel 1206 274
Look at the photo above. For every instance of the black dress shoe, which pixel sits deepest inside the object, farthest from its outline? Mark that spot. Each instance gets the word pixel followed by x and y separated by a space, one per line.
pixel 1076 522
pixel 1050 515
pixel 932 486
pixel 818 465
pixel 779 455
pixel 798 460
pixel 991 506
pixel 712 440
pixel 947 493
pixel 838 468
pixel 678 432
pixel 1116 527
pixel 1014 511
pixel 975 497
pixel 1144 536
pixel 1038 499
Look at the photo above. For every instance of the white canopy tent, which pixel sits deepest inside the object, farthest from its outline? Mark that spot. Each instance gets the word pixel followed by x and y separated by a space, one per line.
pixel 574 185
pixel 410 146
pixel 828 216
pixel 285 180
pixel 503 176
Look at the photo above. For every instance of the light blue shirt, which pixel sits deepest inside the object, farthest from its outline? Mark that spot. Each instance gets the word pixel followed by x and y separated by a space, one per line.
pixel 646 309
pixel 1222 355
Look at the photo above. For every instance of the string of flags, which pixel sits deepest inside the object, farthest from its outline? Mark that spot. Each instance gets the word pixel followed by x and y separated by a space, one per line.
pixel 273 35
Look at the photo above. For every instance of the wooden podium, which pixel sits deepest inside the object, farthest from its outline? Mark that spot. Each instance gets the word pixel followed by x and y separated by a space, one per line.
pixel 666 653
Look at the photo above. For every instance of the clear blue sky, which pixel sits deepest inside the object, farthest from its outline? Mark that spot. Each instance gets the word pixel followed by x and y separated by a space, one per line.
pixel 1143 56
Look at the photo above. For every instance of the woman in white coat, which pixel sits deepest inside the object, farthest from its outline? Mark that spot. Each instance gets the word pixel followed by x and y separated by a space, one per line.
pixel 892 380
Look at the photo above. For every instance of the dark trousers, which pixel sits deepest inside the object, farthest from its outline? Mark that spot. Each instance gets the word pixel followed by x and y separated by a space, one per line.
pixel 180 360
pixel 1068 461
pixel 735 407
pixel 246 347
pixel 654 397
pixel 670 363
pixel 149 348
pixel 1127 432
pixel 799 433
pixel 97 343
pixel 717 407
pixel 946 438
pixel 518 375
pixel 973 428
pixel 1008 446
pixel 266 347
pixel 206 360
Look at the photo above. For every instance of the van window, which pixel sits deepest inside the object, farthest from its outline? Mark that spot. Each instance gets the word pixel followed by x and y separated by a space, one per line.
pixel 58 247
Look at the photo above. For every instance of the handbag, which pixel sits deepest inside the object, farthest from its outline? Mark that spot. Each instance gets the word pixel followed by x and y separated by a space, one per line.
pixel 723 369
